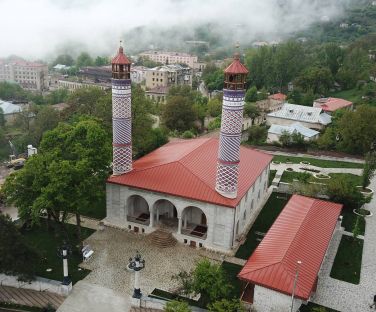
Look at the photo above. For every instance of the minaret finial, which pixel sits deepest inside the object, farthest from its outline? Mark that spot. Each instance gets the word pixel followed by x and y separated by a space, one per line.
pixel 237 53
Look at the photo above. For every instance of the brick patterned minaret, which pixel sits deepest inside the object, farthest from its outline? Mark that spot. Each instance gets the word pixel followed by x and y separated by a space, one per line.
pixel 121 114
pixel 231 129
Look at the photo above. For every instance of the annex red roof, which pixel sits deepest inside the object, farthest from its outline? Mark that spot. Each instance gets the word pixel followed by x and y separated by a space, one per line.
pixel 187 168
pixel 278 97
pixel 121 58
pixel 332 104
pixel 302 232
pixel 236 67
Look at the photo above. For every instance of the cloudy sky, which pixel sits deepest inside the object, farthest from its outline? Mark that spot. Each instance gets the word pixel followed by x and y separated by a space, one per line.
pixel 37 28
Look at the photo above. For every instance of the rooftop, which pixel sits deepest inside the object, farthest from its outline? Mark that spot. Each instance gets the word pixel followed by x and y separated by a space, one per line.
pixel 296 127
pixel 302 113
pixel 278 97
pixel 302 232
pixel 332 104
pixel 187 168
pixel 9 108
pixel 121 58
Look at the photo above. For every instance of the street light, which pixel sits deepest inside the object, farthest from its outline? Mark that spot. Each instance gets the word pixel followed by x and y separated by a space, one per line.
pixel 136 264
pixel 295 282
pixel 63 253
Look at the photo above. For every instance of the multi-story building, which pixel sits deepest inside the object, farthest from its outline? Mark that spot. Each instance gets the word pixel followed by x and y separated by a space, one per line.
pixel 29 75
pixel 171 57
pixel 138 74
pixel 95 74
pixel 161 78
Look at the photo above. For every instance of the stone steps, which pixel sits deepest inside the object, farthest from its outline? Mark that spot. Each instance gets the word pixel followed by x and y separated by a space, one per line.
pixel 162 239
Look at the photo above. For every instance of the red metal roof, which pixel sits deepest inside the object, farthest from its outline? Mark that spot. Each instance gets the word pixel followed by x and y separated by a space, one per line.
pixel 187 168
pixel 302 232
pixel 236 67
pixel 278 96
pixel 121 58
pixel 332 104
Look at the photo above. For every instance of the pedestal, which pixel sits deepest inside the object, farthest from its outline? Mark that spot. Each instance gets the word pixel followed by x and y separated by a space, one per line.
pixel 66 289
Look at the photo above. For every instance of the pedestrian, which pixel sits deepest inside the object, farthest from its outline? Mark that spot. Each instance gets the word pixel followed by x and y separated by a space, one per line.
pixel 374 303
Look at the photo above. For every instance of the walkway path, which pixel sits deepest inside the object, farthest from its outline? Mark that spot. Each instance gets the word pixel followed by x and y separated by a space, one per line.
pixel 348 297
pixel 28 297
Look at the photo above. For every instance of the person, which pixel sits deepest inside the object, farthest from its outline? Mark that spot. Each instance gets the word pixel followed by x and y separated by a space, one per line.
pixel 374 303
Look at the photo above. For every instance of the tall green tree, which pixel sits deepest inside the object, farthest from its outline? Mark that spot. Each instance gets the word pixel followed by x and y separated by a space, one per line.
pixel 178 113
pixel 317 79
pixel 67 175
pixel 84 59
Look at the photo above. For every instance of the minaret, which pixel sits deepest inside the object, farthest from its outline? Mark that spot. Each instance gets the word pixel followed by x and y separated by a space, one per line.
pixel 121 113
pixel 231 128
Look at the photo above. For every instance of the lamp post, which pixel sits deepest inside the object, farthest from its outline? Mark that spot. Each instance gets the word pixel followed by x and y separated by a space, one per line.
pixel 295 282
pixel 63 252
pixel 136 264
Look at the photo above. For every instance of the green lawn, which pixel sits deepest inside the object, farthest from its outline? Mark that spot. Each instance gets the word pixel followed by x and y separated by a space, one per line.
pixel 231 271
pixel 317 162
pixel 262 224
pixel 48 242
pixel 271 176
pixel 289 176
pixel 310 306
pixel 348 221
pixel 353 95
pixel 348 260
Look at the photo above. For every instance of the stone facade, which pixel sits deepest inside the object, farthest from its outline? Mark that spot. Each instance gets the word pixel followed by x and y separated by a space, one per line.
pixel 222 228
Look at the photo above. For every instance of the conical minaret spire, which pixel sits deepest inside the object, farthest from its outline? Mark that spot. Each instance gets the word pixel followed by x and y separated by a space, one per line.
pixel 121 113
pixel 231 128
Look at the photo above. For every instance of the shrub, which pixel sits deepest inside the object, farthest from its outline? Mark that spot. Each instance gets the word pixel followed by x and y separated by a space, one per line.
pixel 188 134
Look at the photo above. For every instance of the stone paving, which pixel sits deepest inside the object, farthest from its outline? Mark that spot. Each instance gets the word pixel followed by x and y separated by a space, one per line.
pixel 344 296
pixel 112 249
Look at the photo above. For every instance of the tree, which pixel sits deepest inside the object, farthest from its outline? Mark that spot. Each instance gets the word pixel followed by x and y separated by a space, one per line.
pixel 177 306
pixel 213 77
pixel 225 305
pixel 147 62
pixel 64 59
pixel 210 281
pixel 214 108
pixel 17 257
pixel 46 118
pixel 251 94
pixel 57 96
pixel 285 138
pixel 84 59
pixel 178 112
pixel 315 78
pixel 343 190
pixel 2 118
pixel 368 169
pixel 101 61
pixel 252 111
pixel 67 175
pixel 257 134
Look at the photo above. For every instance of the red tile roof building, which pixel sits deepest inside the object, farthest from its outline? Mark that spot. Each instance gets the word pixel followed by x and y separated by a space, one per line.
pixel 330 104
pixel 175 186
pixel 302 232
pixel 187 168
pixel 278 97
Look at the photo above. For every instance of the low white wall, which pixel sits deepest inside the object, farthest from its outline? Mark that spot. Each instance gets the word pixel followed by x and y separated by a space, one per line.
pixel 267 300
pixel 39 284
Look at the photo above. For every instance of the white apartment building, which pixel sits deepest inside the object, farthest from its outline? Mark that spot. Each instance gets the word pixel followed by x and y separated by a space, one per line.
pixel 29 75
pixel 171 57
pixel 168 75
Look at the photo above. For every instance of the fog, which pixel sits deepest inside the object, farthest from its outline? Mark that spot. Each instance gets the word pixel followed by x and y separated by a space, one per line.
pixel 40 28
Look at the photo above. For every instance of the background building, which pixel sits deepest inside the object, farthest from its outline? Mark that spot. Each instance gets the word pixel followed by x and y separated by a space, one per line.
pixel 171 57
pixel 330 105
pixel 29 75
pixel 160 79
pixel 310 117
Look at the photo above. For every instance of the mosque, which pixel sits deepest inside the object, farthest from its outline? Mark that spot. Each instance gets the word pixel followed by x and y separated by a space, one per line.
pixel 206 192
